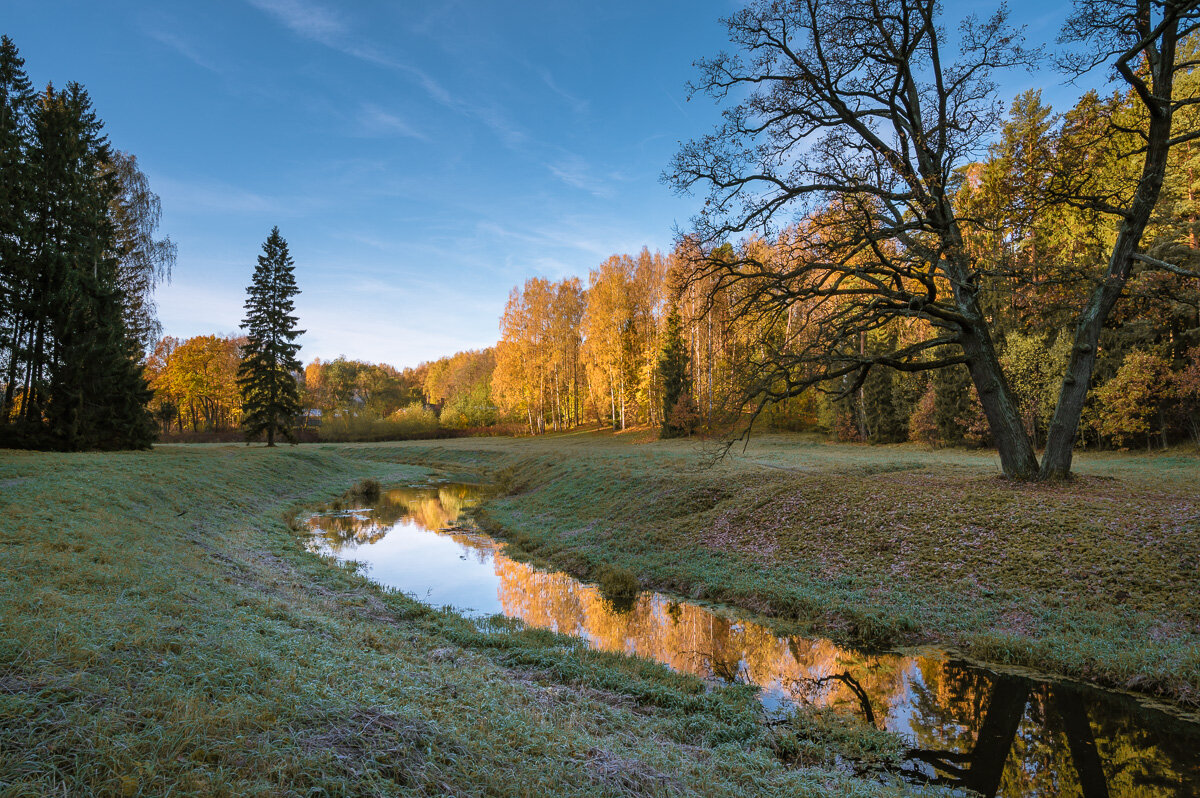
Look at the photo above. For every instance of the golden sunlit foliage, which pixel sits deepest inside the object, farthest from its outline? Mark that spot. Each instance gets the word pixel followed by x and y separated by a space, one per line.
pixel 576 351
pixel 195 382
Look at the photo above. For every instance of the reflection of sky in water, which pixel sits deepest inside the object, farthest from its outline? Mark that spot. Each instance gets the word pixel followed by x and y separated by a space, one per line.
pixel 1009 736
pixel 436 569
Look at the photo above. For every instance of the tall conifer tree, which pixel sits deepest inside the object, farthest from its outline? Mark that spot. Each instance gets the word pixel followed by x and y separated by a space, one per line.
pixel 16 99
pixel 70 368
pixel 673 372
pixel 267 374
pixel 85 381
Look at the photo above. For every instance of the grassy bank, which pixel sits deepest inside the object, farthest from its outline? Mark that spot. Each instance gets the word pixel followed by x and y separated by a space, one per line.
pixel 163 632
pixel 1098 579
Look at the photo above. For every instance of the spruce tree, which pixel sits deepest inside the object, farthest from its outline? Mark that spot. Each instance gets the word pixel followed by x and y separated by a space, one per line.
pixel 16 99
pixel 952 402
pixel 884 424
pixel 673 373
pixel 87 383
pixel 267 373
pixel 71 372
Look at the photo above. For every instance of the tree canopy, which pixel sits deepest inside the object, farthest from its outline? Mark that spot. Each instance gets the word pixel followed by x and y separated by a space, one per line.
pixel 847 128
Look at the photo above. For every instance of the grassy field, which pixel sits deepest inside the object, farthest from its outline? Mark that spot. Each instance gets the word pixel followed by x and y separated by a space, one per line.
pixel 163 632
pixel 1098 579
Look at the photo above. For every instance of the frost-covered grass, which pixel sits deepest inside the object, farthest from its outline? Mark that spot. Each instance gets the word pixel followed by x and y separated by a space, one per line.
pixel 162 632
pixel 890 545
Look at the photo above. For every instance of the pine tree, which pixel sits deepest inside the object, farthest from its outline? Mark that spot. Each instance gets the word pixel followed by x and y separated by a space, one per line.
pixel 16 100
pixel 673 374
pixel 86 382
pixel 952 402
pixel 266 376
pixel 883 423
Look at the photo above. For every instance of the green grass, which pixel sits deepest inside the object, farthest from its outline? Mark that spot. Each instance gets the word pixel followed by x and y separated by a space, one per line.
pixel 1098 579
pixel 163 632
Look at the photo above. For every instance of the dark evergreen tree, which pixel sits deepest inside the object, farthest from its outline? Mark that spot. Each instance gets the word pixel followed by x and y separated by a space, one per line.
pixel 86 382
pixel 100 401
pixel 71 372
pixel 884 424
pixel 16 99
pixel 673 374
pixel 952 402
pixel 267 374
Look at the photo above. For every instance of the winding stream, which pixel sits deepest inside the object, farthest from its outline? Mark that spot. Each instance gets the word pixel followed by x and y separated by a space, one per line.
pixel 998 734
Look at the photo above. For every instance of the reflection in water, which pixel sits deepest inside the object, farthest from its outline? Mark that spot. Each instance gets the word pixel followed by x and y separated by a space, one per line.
pixel 969 727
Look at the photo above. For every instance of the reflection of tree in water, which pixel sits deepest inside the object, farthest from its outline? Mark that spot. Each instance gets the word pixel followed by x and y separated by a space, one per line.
pixel 363 523
pixel 691 639
pixel 995 734
pixel 998 735
pixel 1006 735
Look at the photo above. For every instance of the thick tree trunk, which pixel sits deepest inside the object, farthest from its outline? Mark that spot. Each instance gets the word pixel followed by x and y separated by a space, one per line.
pixel 1064 426
pixel 1017 456
pixel 1060 440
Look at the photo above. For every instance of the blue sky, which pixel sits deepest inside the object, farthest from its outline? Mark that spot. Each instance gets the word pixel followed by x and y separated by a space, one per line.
pixel 420 158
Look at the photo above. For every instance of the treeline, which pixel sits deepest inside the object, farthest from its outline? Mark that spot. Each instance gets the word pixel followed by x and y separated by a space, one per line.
pixel 78 264
pixel 196 392
pixel 570 354
pixel 665 341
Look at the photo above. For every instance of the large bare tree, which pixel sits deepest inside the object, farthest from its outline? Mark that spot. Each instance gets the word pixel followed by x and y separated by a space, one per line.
pixel 847 123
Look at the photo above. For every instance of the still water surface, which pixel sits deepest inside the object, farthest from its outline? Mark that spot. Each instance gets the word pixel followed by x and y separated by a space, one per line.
pixel 998 734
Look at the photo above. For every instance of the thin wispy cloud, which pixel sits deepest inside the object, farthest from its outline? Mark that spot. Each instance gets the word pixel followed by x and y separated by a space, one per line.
pixel 219 197
pixel 375 121
pixel 550 236
pixel 184 49
pixel 674 102
pixel 304 18
pixel 318 24
pixel 577 105
pixel 575 172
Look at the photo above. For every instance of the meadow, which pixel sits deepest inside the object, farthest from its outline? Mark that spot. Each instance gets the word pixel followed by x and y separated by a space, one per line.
pixel 163 629
pixel 1097 579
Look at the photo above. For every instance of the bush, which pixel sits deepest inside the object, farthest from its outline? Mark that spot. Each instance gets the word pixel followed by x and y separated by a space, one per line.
pixel 922 424
pixel 366 489
pixel 684 418
pixel 1131 400
pixel 414 421
pixel 619 586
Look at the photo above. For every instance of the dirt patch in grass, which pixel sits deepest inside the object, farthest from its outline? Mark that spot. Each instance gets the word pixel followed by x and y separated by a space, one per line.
pixel 371 739
pixel 626 775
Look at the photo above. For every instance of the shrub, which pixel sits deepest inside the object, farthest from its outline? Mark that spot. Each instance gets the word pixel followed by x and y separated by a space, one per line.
pixel 367 489
pixel 922 424
pixel 414 421
pixel 1131 398
pixel 619 586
